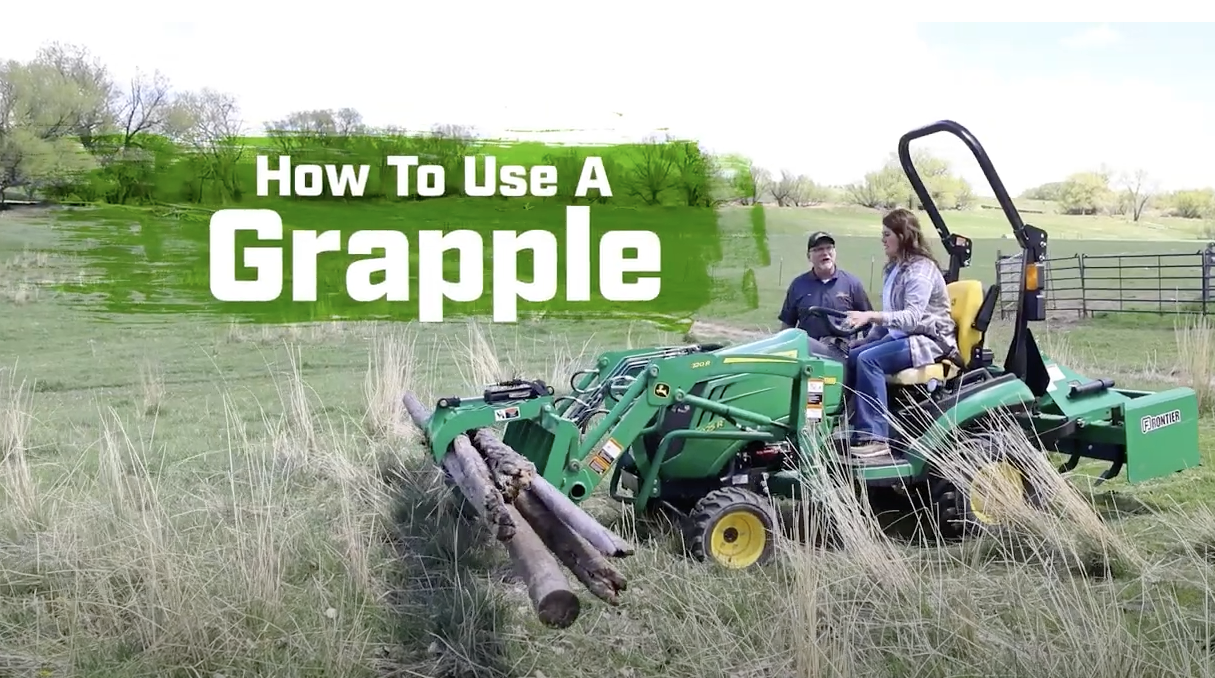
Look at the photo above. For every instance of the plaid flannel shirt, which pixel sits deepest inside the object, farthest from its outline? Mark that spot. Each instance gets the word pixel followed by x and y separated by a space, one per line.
pixel 919 306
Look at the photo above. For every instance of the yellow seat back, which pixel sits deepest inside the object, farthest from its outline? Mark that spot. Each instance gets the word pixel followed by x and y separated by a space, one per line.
pixel 965 301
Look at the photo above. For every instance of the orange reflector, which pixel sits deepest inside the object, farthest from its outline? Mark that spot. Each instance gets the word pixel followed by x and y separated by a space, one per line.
pixel 1032 281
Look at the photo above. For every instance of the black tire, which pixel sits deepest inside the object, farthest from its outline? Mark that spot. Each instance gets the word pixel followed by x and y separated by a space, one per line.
pixel 744 517
pixel 951 502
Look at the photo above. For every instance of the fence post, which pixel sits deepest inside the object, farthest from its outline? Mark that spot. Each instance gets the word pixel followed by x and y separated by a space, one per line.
pixel 1207 254
pixel 1083 287
pixel 1121 290
pixel 1000 282
pixel 1159 284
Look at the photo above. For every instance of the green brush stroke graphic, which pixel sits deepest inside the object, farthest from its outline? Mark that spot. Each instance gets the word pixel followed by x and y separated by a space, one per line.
pixel 147 239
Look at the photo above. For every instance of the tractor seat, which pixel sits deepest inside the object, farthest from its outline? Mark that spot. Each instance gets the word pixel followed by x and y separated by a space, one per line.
pixel 941 371
pixel 965 302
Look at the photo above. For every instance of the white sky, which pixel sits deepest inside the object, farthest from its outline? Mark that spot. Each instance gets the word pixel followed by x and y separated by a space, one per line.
pixel 791 84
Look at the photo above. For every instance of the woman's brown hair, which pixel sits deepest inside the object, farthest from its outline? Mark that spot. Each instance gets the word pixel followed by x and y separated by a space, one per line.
pixel 905 226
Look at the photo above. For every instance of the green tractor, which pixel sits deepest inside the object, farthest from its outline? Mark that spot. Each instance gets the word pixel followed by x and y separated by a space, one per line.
pixel 715 432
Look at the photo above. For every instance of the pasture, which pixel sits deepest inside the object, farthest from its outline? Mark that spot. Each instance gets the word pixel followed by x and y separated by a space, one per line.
pixel 198 498
pixel 857 232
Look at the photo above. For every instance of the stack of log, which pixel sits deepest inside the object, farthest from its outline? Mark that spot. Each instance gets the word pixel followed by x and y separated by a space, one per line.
pixel 541 528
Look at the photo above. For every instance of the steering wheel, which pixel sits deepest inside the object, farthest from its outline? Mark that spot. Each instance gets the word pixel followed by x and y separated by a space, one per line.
pixel 828 313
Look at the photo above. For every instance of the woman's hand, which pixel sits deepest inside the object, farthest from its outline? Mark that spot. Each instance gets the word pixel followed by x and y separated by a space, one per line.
pixel 859 318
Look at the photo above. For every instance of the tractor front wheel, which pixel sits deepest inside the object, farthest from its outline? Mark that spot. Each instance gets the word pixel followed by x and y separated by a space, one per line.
pixel 732 526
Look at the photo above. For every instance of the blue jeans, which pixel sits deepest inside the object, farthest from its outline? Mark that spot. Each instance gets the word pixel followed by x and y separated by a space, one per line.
pixel 865 377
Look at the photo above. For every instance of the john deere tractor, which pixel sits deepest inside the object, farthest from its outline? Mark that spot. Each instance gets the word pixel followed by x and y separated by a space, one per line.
pixel 715 431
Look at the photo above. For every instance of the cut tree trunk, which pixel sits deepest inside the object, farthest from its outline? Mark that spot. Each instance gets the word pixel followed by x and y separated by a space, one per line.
pixel 469 473
pixel 553 599
pixel 588 565
pixel 555 602
pixel 512 472
pixel 603 539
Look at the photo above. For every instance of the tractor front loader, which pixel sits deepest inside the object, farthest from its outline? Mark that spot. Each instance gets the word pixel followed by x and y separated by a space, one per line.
pixel 716 432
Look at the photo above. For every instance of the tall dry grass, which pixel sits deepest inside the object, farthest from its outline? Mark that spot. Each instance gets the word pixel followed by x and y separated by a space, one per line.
pixel 266 560
pixel 1196 358
pixel 1057 590
pixel 291 555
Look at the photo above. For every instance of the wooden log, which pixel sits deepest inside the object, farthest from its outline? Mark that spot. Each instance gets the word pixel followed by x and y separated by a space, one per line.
pixel 603 539
pixel 554 601
pixel 490 508
pixel 511 471
pixel 469 473
pixel 579 557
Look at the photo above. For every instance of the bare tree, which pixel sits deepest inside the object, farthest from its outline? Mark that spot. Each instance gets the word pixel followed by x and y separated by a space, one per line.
pixel 208 122
pixel 144 108
pixel 784 190
pixel 761 183
pixel 653 171
pixel 1138 189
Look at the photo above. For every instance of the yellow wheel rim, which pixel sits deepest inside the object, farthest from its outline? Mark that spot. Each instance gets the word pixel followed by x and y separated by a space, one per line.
pixel 995 489
pixel 738 539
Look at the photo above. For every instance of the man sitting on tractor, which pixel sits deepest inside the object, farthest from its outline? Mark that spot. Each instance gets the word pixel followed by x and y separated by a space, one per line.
pixel 823 285
pixel 913 329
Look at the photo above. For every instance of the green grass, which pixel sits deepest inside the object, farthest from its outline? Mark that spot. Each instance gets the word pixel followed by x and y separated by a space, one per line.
pixel 990 223
pixel 857 232
pixel 190 498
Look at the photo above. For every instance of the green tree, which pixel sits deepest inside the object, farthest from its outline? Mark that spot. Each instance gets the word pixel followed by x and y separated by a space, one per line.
pixel 1086 193
pixel 1050 192
pixel 50 108
pixel 1193 203
pixel 889 187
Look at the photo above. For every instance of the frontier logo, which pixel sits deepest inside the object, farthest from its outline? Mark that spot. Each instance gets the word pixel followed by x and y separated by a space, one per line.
pixel 1157 421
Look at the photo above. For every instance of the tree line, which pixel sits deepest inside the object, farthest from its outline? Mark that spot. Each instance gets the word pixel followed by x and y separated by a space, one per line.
pixel 1130 194
pixel 71 132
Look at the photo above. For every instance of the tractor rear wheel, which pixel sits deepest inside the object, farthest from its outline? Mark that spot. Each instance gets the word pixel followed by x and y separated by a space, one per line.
pixel 993 484
pixel 733 527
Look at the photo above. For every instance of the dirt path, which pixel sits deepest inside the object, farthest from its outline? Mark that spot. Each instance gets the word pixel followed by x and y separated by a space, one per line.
pixel 702 329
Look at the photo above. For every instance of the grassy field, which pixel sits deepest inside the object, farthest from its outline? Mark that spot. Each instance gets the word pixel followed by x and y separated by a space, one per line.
pixel 185 498
pixel 857 232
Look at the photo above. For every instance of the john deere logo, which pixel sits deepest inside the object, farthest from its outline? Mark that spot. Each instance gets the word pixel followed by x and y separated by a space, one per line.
pixel 1158 421
pixel 662 390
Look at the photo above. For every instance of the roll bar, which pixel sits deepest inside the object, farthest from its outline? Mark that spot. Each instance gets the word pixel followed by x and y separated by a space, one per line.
pixel 1024 359
pixel 989 171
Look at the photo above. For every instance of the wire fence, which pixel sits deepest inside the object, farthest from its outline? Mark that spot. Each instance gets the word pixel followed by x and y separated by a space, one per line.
pixel 1083 284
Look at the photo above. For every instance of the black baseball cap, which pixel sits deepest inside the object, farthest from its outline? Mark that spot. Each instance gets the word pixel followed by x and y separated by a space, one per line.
pixel 818 238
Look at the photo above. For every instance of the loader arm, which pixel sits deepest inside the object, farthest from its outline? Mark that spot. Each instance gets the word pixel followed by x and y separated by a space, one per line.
pixel 670 381
pixel 539 429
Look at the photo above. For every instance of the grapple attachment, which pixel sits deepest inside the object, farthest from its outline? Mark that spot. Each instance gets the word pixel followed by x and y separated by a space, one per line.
pixel 540 526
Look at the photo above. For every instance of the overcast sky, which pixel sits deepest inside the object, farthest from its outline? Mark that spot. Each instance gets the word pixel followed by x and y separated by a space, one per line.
pixel 783 82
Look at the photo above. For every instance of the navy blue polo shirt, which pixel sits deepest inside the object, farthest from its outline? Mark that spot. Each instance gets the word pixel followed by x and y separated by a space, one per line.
pixel 843 291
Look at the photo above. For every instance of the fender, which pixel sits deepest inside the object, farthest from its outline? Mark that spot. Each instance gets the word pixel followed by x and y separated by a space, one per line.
pixel 966 408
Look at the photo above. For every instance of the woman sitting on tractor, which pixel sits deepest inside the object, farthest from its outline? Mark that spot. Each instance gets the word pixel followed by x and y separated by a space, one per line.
pixel 913 329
